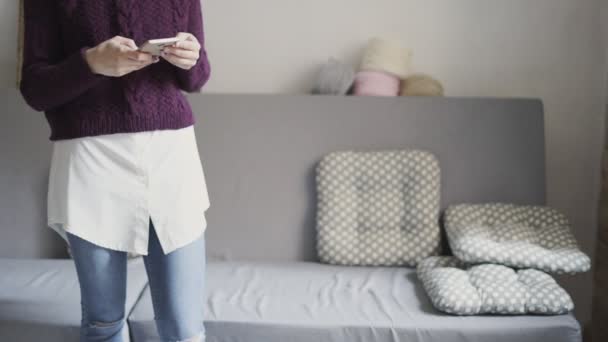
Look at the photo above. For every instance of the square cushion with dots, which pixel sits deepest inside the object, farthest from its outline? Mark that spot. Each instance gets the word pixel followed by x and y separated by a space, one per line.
pixel 377 208
pixel 521 236
pixel 458 288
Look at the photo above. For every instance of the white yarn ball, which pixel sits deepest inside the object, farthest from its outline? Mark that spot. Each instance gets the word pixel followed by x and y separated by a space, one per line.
pixel 388 55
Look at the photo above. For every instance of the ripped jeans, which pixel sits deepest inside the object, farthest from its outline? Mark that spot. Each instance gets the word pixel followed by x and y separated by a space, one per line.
pixel 176 282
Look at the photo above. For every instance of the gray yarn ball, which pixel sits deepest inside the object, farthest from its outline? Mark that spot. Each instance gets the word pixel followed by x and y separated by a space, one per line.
pixel 334 78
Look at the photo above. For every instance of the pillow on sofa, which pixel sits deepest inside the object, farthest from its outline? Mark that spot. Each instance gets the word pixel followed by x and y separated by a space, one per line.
pixel 459 289
pixel 514 235
pixel 377 207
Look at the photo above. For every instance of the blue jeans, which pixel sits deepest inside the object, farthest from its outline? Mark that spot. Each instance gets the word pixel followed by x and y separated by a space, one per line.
pixel 176 283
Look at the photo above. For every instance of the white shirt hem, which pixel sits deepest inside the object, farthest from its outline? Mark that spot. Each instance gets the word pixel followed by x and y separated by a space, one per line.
pixel 62 228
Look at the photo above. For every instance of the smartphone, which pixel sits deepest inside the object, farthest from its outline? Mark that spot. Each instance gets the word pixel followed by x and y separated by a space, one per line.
pixel 155 46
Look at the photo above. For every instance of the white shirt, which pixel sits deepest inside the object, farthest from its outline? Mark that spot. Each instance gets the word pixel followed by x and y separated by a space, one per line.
pixel 105 189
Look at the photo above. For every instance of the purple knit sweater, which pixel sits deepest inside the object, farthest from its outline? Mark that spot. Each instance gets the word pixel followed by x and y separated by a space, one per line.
pixel 56 78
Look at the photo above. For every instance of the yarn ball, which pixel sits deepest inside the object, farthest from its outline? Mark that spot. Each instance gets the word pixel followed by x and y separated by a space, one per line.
pixel 376 83
pixel 386 55
pixel 421 85
pixel 334 78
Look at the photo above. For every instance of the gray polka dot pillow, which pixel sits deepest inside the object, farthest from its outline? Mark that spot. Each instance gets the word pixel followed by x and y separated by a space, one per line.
pixel 377 207
pixel 460 289
pixel 514 235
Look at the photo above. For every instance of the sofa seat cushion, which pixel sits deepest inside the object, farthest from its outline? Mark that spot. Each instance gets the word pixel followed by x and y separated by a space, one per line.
pixel 40 299
pixel 461 289
pixel 521 236
pixel 308 301
pixel 377 208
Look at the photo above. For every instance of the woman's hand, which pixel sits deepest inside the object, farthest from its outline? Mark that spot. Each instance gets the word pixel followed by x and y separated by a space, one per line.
pixel 185 53
pixel 117 57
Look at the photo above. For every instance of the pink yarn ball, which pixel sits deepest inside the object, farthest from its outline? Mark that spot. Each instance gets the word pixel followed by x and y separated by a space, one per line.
pixel 376 83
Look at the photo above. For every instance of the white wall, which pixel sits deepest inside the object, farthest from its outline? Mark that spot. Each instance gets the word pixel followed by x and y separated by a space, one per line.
pixel 551 49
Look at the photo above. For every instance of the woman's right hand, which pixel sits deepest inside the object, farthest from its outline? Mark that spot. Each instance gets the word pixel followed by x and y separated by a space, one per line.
pixel 117 57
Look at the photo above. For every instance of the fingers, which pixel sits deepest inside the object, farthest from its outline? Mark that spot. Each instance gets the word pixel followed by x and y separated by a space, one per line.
pixel 188 40
pixel 183 53
pixel 134 60
pixel 121 57
pixel 188 45
pixel 184 63
pixel 138 56
pixel 126 42
pixel 186 36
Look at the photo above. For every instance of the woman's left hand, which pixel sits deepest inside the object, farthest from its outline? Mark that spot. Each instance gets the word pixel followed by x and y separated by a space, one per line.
pixel 185 53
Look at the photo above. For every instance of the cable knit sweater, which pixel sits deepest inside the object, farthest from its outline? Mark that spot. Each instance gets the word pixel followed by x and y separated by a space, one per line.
pixel 56 78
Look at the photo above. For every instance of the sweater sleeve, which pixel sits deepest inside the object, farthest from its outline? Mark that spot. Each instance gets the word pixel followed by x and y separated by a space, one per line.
pixel 49 78
pixel 194 79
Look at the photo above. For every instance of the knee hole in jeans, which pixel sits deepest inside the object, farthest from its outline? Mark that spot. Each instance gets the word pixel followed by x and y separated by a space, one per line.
pixel 102 324
pixel 200 337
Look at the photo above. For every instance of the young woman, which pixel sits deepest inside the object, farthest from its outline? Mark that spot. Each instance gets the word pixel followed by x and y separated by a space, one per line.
pixel 125 176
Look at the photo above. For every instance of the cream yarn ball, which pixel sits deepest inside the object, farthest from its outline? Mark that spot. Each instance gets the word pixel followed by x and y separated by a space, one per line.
pixel 387 55
pixel 421 85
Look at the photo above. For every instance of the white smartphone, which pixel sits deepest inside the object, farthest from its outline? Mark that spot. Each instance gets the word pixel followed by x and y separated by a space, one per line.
pixel 155 46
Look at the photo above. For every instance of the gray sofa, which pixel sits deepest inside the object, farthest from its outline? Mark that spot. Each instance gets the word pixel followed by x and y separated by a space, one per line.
pixel 264 282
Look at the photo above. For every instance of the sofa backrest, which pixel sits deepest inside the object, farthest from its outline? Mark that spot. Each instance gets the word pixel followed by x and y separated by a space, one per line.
pixel 259 154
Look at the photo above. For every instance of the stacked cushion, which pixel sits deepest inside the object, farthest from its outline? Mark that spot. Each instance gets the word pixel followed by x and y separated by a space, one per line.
pixel 501 253
pixel 377 207
pixel 457 288
pixel 521 236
